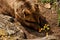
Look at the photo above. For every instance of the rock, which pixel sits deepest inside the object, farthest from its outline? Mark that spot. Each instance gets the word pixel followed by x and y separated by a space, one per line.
pixel 3 32
pixel 9 30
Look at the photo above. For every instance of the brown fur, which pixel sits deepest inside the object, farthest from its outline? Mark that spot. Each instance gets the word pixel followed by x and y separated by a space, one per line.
pixel 28 14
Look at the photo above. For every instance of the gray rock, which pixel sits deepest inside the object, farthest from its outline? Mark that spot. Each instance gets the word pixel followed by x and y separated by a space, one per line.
pixel 9 30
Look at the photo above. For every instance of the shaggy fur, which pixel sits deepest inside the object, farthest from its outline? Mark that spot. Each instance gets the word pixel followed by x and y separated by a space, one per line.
pixel 24 11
